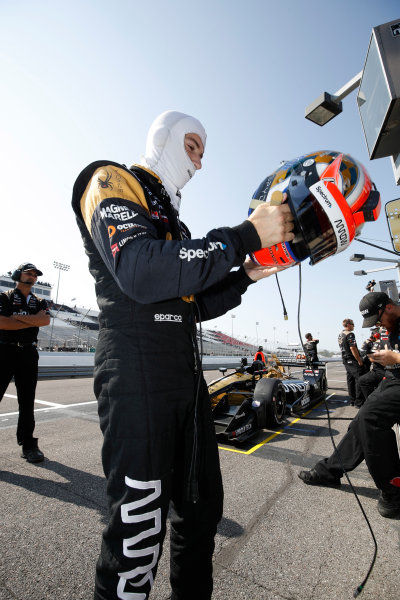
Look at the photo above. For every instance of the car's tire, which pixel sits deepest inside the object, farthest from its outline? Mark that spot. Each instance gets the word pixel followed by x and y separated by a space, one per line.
pixel 270 395
pixel 324 383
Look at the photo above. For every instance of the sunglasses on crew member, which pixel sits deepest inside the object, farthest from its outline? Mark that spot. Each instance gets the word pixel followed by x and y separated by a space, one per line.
pixel 378 322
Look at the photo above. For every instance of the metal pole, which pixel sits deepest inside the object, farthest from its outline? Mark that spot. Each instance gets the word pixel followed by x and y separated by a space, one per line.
pixel 58 284
pixel 60 267
pixel 80 325
pixel 348 87
pixel 52 327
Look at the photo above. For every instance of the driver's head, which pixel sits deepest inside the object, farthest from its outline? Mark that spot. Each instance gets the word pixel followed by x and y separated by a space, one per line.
pixel 174 149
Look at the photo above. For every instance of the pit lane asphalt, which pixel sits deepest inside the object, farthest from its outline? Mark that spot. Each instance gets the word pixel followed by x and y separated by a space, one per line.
pixel 278 540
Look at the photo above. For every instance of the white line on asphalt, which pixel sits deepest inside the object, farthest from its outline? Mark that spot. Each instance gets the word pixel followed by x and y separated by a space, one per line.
pixel 54 407
pixel 38 401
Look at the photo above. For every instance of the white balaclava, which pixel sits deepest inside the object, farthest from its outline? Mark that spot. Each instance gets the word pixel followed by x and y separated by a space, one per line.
pixel 165 151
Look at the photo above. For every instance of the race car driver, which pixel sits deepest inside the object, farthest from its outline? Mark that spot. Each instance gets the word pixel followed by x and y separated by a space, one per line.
pixel 153 284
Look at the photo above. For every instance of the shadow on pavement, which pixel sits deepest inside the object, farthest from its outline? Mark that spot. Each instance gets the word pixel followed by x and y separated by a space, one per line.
pixel 81 488
pixel 229 528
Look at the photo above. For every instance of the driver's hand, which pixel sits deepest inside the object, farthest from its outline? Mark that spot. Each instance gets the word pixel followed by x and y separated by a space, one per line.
pixel 256 272
pixel 274 224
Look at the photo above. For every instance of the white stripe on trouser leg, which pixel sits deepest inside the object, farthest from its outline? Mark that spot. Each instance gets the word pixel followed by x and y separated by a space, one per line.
pixel 146 569
pixel 128 543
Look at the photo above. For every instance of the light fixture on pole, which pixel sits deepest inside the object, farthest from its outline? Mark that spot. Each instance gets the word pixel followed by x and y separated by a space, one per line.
pixel 357 257
pixel 257 324
pixel 378 96
pixel 327 106
pixel 60 267
pixel 390 286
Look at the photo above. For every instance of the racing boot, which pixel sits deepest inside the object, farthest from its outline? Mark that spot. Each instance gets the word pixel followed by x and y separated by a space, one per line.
pixel 313 478
pixel 389 502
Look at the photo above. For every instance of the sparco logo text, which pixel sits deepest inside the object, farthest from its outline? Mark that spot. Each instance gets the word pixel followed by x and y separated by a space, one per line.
pixel 158 317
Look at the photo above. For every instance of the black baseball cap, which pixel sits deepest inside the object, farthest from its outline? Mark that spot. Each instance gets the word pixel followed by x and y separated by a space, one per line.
pixel 29 267
pixel 371 305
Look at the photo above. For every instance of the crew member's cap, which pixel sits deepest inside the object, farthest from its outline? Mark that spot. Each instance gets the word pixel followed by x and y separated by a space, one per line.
pixel 371 305
pixel 29 267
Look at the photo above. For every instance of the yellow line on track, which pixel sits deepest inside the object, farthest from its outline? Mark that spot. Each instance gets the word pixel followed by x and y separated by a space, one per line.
pixel 276 433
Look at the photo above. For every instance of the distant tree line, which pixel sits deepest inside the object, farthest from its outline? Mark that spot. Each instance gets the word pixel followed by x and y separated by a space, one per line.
pixel 327 353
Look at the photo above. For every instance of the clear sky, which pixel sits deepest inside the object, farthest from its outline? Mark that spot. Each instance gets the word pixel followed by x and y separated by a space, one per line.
pixel 83 80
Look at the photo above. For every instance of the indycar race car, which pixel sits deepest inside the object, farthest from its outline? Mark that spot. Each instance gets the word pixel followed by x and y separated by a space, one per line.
pixel 259 396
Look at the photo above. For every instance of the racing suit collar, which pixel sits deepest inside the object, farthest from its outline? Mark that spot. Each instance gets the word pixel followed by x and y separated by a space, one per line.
pixel 165 151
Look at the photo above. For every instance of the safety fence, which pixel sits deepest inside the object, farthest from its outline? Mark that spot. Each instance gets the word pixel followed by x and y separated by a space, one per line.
pixel 57 370
pixel 66 365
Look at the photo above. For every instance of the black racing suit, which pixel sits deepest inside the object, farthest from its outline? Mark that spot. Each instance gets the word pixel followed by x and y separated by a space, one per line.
pixel 346 341
pixel 19 359
pixel 159 439
pixel 370 436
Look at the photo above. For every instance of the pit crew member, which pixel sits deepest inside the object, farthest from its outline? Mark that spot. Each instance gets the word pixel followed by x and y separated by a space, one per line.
pixel 370 436
pixel 370 380
pixel 21 315
pixel 260 356
pixel 310 347
pixel 352 361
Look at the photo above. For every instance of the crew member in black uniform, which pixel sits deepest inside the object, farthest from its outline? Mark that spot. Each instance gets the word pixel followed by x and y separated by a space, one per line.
pixel 370 436
pixel 365 350
pixel 372 378
pixel 21 315
pixel 311 348
pixel 153 284
pixel 352 361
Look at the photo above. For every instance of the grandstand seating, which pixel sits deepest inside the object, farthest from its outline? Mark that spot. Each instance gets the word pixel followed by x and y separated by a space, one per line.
pixel 77 329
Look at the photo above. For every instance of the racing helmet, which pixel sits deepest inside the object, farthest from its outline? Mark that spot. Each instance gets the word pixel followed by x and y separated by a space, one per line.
pixel 330 195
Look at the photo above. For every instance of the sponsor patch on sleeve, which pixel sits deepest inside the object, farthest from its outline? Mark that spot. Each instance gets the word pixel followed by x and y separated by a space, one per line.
pixel 110 182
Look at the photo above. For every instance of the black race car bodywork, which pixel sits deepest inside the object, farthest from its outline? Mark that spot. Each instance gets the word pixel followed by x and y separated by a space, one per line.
pixel 259 396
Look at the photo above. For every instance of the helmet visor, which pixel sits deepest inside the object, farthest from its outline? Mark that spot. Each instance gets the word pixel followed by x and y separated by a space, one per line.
pixel 315 237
